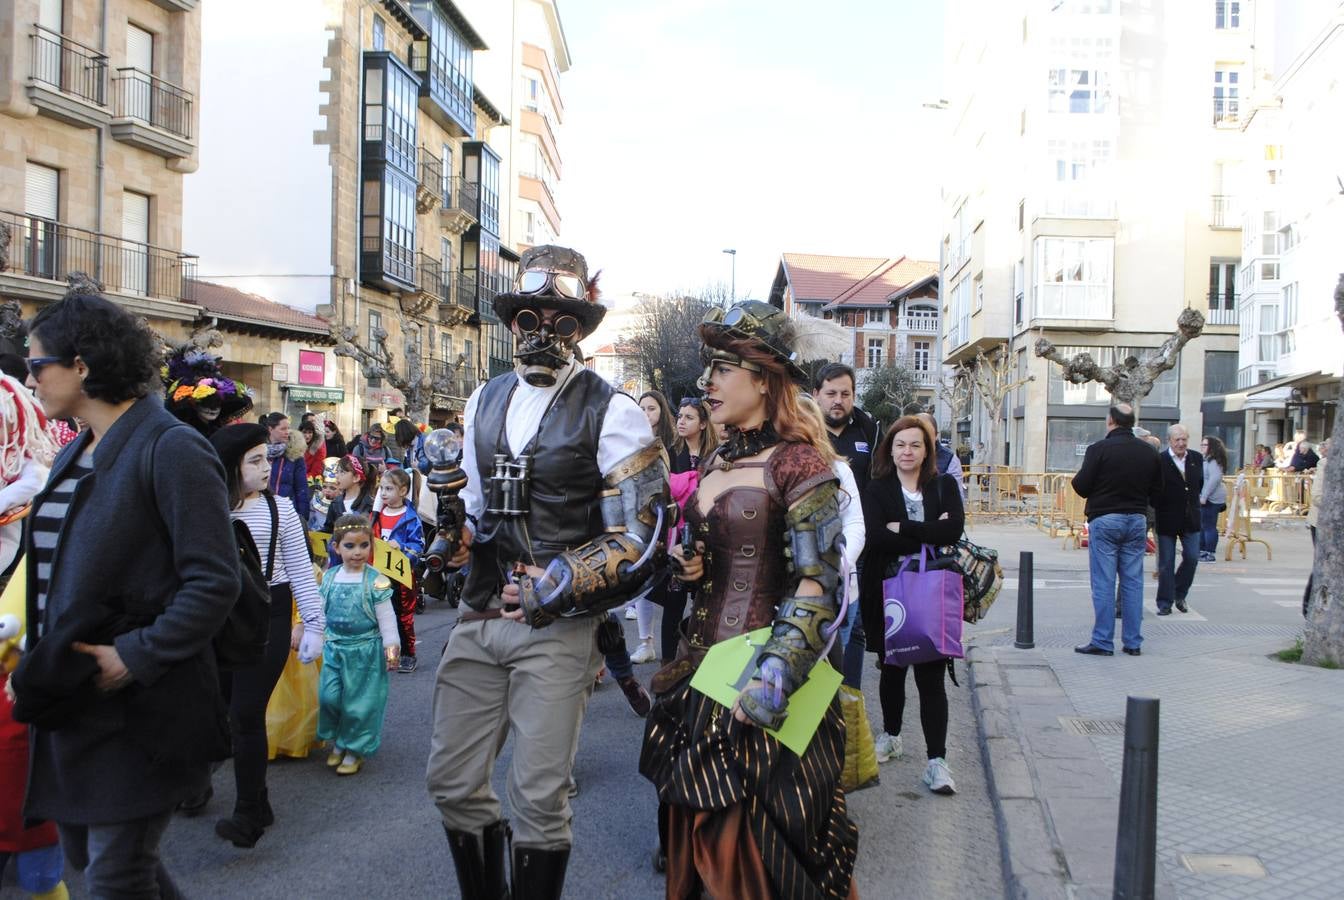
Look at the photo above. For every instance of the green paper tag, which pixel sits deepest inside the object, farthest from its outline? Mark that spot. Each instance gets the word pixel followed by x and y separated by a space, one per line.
pixel 730 664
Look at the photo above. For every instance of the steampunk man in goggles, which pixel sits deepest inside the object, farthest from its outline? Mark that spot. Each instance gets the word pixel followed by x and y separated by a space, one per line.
pixel 566 497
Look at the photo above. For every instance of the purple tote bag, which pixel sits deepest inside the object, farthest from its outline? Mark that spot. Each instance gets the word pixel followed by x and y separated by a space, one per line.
pixel 922 608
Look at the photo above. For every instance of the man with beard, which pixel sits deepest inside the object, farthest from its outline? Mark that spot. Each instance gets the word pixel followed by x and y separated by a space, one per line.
pixel 566 494
pixel 853 432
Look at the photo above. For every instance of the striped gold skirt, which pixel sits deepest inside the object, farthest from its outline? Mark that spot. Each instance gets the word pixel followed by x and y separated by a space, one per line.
pixel 702 760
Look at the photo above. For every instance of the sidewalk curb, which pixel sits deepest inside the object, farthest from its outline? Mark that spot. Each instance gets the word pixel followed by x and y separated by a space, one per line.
pixel 1032 857
pixel 1055 801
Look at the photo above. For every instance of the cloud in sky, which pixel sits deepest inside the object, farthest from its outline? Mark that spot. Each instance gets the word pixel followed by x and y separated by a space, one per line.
pixel 763 126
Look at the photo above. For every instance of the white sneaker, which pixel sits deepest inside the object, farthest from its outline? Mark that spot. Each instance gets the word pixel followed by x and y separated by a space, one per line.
pixel 645 653
pixel 939 778
pixel 630 613
pixel 888 747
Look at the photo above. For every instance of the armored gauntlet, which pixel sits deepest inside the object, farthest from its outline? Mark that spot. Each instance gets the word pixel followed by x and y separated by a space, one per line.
pixel 604 572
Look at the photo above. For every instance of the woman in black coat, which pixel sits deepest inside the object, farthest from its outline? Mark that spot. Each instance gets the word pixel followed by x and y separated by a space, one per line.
pixel 131 571
pixel 907 505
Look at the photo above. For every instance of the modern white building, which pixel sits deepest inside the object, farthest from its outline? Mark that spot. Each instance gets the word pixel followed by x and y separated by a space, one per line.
pixel 1291 350
pixel 1089 145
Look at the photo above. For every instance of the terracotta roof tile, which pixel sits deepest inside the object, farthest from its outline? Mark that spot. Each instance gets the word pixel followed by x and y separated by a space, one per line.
pixel 852 281
pixel 231 303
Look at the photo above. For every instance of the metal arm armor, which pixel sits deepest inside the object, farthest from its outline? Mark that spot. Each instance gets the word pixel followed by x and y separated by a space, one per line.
pixel 604 572
pixel 813 545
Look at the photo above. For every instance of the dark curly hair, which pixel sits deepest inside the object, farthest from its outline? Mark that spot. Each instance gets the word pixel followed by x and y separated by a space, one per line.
pixel 121 352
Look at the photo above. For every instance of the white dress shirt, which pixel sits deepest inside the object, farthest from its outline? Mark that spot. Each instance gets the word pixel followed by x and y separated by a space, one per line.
pixel 625 430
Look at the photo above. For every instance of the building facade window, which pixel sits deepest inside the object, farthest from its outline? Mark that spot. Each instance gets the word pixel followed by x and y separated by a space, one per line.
pixel 1222 285
pixel 379 33
pixel 480 166
pixel 877 317
pixel 876 353
pixel 446 64
pixel 1226 14
pixel 921 356
pixel 1075 90
pixel 1073 278
pixel 1079 178
pixel 387 199
pixel 1018 288
pixel 1226 94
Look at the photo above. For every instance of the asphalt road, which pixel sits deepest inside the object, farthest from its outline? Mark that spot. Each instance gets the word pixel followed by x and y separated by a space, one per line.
pixel 376 834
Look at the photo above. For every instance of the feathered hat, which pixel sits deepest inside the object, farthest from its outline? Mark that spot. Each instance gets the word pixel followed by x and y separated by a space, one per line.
pixel 790 341
pixel 555 277
pixel 192 379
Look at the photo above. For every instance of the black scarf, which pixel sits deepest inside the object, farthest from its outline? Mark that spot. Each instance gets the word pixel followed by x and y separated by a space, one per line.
pixel 741 444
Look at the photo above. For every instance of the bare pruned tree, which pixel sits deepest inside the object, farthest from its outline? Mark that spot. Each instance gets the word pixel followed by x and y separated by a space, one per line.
pixel 666 344
pixel 1131 379
pixel 376 360
pixel 992 378
pixel 1323 642
pixel 888 392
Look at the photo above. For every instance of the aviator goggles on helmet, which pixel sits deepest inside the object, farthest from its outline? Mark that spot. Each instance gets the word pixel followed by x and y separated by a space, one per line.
pixel 529 321
pixel 560 283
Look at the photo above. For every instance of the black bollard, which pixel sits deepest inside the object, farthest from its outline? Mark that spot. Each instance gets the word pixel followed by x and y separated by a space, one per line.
pixel 1026 626
pixel 1136 833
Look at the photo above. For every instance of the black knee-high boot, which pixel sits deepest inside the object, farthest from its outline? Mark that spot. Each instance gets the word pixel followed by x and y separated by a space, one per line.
pixel 539 874
pixel 480 862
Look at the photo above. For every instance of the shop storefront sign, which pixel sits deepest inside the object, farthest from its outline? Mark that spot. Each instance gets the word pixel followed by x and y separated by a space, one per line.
pixel 307 394
pixel 312 367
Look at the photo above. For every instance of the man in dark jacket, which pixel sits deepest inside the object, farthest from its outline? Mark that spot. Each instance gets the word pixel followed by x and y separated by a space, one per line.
pixel 1120 478
pixel 1177 508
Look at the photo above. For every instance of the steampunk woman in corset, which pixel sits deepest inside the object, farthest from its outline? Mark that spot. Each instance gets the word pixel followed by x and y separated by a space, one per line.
pixel 566 493
pixel 741 815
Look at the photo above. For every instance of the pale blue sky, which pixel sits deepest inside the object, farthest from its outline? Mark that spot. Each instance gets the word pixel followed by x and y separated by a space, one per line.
pixel 764 125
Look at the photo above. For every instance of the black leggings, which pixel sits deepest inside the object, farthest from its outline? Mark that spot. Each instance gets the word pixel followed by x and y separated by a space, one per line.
pixel 674 610
pixel 249 690
pixel 932 703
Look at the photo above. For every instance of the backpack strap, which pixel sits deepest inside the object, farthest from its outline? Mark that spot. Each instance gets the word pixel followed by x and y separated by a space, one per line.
pixel 275 528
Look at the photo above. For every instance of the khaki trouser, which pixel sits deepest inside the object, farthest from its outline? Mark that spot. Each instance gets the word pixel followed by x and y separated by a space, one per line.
pixel 499 677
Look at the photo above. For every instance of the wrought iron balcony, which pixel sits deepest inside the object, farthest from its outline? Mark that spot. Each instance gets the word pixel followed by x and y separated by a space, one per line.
pixel 1221 213
pixel 141 99
pixel 42 248
pixel 68 80
pixel 451 379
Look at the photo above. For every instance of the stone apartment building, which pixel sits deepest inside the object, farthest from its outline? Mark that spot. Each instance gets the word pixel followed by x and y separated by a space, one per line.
pixel 890 305
pixel 1091 149
pixel 98 125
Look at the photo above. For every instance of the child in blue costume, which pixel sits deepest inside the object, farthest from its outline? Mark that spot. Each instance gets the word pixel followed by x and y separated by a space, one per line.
pixel 361 648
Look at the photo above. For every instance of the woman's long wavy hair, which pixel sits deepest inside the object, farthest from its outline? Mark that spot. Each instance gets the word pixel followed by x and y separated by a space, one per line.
pixel 1217 451
pixel 790 421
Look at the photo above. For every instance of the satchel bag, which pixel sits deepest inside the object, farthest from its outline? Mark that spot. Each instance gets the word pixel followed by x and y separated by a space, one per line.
pixel 982 577
pixel 922 608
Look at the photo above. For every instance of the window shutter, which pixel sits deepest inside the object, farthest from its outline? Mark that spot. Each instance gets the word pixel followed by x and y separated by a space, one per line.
pixel 139 48
pixel 49 15
pixel 41 191
pixel 135 217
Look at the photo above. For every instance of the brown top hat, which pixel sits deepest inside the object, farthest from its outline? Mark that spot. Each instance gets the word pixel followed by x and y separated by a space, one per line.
pixel 557 278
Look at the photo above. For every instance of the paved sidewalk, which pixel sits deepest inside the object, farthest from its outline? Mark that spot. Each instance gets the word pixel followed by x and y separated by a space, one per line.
pixel 1249 804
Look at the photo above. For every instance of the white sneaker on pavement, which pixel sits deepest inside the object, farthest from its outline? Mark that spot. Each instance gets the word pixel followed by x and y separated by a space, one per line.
pixel 939 778
pixel 645 652
pixel 630 613
pixel 888 747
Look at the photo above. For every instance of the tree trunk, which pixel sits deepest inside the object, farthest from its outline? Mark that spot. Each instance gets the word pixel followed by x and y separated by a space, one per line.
pixel 1324 638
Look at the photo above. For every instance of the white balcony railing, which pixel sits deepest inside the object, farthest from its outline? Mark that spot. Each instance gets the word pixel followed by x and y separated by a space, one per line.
pixel 918 324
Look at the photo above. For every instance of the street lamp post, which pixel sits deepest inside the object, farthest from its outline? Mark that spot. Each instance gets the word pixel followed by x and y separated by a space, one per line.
pixel 733 254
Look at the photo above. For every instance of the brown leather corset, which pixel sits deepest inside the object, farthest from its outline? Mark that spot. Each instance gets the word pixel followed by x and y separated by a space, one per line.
pixel 744 540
